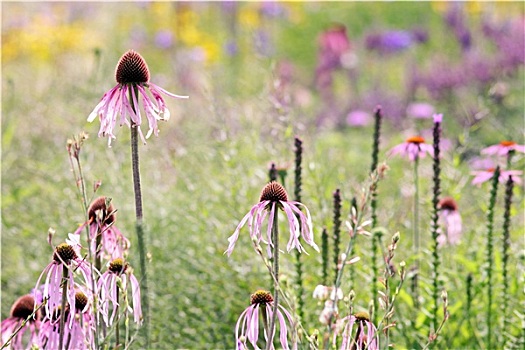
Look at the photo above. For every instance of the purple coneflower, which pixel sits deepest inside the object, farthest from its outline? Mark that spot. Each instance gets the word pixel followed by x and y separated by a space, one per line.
pixel 132 75
pixel 451 219
pixel 485 175
pixel 78 330
pixel 22 308
pixel 66 256
pixel 247 327
pixel 109 289
pixel 503 148
pixel 362 339
pixel 358 118
pixel 274 197
pixel 414 148
pixel 104 235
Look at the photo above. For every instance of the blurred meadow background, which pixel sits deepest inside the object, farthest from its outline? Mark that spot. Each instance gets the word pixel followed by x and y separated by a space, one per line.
pixel 254 76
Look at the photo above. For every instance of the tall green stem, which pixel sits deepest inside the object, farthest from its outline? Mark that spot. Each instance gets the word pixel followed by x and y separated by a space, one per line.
pixel 275 239
pixel 139 225
pixel 298 182
pixel 415 242
pixel 505 255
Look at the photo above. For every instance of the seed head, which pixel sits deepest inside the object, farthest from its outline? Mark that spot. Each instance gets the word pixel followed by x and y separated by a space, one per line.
pixel 362 316
pixel 64 252
pixel 132 69
pixel 117 266
pixel 23 307
pixel 274 192
pixel 81 301
pixel 415 139
pixel 448 203
pixel 98 210
pixel 261 297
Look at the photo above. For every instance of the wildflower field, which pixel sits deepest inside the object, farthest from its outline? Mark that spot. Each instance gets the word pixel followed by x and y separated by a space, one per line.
pixel 244 175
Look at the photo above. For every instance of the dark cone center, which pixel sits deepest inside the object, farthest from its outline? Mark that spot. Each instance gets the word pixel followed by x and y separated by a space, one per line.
pixel 65 252
pixel 362 316
pixel 261 297
pixel 98 210
pixel 132 68
pixel 23 307
pixel 274 192
pixel 117 266
pixel 81 301
pixel 448 203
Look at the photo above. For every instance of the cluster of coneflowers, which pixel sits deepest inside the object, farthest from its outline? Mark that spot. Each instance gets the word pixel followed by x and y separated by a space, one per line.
pixel 85 295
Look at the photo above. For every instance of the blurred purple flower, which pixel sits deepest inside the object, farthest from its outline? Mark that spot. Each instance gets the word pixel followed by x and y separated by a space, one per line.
pixel 390 41
pixel 247 327
pixel 366 336
pixel 420 110
pixel 414 148
pixel 164 39
pixel 231 48
pixel 358 118
pixel 263 43
pixel 132 76
pixel 503 148
pixel 482 176
pixel 273 9
pixel 451 220
pixel 274 197
pixel 22 308
pixel 333 44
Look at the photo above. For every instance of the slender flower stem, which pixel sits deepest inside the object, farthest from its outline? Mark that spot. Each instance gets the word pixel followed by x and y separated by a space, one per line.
pixel 505 255
pixel 117 324
pixel 415 242
pixel 435 226
pixel 139 225
pixel 490 253
pixel 275 239
pixel 65 275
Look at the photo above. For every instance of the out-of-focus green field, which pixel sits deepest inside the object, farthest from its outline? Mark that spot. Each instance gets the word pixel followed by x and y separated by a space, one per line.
pixel 211 159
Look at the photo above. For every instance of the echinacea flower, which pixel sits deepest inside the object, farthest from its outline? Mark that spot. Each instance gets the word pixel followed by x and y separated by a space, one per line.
pixel 503 148
pixel 22 308
pixel 247 327
pixel 482 176
pixel 78 329
pixel 451 219
pixel 66 256
pixel 414 148
pixel 105 236
pixel 420 110
pixel 366 336
pixel 116 279
pixel 274 197
pixel 132 75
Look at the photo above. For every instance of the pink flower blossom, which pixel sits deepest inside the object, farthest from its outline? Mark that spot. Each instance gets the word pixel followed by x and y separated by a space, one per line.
pixel 247 327
pixel 101 223
pixel 420 110
pixel 451 220
pixel 274 197
pixel 485 175
pixel 22 308
pixel 132 75
pixel 414 148
pixel 366 336
pixel 503 148
pixel 66 256
pixel 108 286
